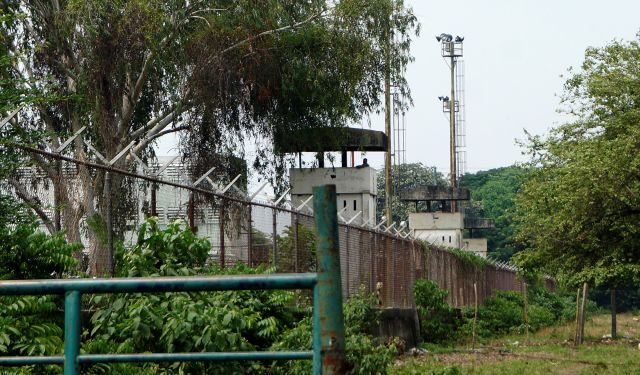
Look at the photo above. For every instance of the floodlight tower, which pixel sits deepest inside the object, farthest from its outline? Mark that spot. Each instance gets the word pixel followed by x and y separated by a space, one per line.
pixel 451 48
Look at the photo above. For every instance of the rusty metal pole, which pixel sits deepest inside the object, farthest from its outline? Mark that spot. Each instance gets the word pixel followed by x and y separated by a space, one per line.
pixel 328 292
pixel 296 223
pixel 221 224
pixel 452 126
pixel 191 213
pixel 154 199
pixel 249 236
pixel 275 237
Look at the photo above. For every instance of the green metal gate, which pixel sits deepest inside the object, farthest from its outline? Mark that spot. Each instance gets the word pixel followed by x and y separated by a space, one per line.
pixel 328 323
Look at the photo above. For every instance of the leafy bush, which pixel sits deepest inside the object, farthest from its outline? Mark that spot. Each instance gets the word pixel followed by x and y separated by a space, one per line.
pixel 363 355
pixel 175 251
pixel 26 253
pixel 500 314
pixel 306 249
pixel 437 319
pixel 32 325
pixel 504 312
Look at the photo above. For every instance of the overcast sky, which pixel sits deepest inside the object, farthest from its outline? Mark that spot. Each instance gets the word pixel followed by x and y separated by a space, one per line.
pixel 515 52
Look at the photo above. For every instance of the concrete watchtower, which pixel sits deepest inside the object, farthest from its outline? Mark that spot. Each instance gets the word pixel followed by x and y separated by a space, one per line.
pixel 445 228
pixel 355 186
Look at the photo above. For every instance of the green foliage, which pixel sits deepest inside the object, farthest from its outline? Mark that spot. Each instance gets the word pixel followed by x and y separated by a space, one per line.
pixel 306 249
pixel 438 322
pixel 32 325
pixel 363 355
pixel 500 314
pixel 26 253
pixel 186 322
pixel 579 212
pixel 175 251
pixel 493 194
pixel 469 259
pixel 503 313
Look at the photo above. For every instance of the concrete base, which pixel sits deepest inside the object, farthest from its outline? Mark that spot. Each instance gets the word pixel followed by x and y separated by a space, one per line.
pixel 398 322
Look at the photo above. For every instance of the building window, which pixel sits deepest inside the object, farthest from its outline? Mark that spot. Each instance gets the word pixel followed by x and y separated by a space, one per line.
pixel 442 238
pixel 344 203
pixel 354 204
pixel 449 239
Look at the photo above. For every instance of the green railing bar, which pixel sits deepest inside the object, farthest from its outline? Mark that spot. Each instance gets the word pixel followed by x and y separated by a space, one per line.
pixel 159 284
pixel 160 357
pixel 71 332
pixel 328 317
pixel 189 357
pixel 35 360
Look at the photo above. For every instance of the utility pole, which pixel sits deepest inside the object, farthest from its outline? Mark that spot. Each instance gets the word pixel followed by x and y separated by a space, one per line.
pixel 387 123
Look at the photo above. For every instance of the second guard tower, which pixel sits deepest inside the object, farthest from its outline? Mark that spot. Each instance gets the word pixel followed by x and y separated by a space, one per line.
pixel 445 228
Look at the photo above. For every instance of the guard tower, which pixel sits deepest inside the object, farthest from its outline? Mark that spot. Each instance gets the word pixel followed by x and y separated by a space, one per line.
pixel 438 228
pixel 445 228
pixel 355 186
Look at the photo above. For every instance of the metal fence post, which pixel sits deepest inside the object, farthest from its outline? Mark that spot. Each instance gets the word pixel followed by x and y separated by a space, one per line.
pixel 221 219
pixel 250 235
pixel 328 316
pixel 71 332
pixel 275 237
pixel 296 223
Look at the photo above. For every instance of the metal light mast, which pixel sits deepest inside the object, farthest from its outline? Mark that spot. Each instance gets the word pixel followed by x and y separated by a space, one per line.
pixel 451 49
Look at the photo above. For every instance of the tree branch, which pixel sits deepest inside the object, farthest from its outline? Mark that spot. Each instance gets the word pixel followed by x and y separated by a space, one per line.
pixel 150 139
pixel 164 118
pixel 34 203
pixel 273 31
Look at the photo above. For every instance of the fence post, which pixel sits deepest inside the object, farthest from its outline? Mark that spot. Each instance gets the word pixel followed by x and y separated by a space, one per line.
pixel 154 200
pixel 250 235
pixel 296 223
pixel 275 237
pixel 109 224
pixel 221 224
pixel 328 315
pixel 71 332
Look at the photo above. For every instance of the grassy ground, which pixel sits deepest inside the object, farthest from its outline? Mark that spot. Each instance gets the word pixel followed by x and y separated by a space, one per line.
pixel 549 351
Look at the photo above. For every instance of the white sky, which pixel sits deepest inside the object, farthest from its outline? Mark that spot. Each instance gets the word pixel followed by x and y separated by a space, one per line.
pixel 514 52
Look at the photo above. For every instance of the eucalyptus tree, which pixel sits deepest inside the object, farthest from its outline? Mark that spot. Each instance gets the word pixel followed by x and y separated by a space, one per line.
pixel 216 72
pixel 580 212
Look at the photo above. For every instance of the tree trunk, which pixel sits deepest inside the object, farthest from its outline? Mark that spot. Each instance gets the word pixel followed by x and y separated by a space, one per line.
pixel 614 334
pixel 583 312
pixel 576 338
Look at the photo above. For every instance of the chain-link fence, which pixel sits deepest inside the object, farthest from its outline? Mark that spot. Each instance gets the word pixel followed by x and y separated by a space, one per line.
pixel 102 206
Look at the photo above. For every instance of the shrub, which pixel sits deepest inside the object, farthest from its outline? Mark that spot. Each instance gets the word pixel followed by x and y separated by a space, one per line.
pixel 438 322
pixel 32 325
pixel 363 355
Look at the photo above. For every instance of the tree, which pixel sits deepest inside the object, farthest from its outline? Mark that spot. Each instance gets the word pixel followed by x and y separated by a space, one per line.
pixel 493 194
pixel 214 71
pixel 579 214
pixel 405 176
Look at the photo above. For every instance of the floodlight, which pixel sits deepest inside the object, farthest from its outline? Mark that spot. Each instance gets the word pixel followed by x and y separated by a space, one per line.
pixel 459 39
pixel 444 37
